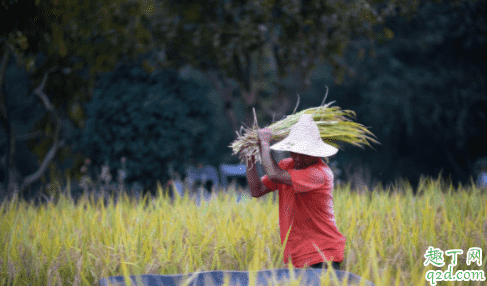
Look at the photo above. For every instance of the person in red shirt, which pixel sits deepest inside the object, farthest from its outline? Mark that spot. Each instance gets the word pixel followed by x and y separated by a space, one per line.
pixel 305 185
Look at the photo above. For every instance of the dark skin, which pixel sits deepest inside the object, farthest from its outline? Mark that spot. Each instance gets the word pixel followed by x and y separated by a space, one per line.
pixel 301 161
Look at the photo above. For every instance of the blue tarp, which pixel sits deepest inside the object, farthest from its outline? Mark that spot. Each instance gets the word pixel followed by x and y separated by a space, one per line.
pixel 310 276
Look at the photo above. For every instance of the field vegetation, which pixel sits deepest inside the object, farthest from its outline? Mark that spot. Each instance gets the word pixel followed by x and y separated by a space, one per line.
pixel 388 232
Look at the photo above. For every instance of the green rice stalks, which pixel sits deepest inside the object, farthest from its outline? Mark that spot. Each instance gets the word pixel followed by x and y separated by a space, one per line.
pixel 334 127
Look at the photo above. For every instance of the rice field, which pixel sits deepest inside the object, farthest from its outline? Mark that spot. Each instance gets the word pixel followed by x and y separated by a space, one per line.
pixel 388 233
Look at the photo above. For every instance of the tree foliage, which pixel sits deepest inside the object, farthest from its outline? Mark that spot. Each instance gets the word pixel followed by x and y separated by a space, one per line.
pixel 426 91
pixel 150 119
pixel 73 35
pixel 230 39
pixel 226 39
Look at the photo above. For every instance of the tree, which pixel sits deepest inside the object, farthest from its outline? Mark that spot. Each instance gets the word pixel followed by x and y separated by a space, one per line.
pixel 221 38
pixel 218 37
pixel 427 90
pixel 150 119
pixel 99 34
pixel 231 39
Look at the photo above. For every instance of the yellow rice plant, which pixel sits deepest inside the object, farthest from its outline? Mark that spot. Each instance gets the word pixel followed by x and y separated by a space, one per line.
pixel 387 235
pixel 333 124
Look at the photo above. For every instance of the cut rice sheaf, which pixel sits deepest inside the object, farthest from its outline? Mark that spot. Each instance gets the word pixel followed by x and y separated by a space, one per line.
pixel 334 127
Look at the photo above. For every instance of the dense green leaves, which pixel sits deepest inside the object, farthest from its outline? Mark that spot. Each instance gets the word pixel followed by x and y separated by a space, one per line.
pixel 210 35
pixel 424 93
pixel 151 119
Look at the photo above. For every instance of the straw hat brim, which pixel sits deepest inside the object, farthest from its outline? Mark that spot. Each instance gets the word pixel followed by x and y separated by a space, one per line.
pixel 305 138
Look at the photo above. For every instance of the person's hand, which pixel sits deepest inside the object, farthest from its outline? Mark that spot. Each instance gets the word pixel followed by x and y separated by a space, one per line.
pixel 264 135
pixel 250 161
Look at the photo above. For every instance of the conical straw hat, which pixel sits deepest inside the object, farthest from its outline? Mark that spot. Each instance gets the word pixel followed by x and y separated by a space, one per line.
pixel 305 138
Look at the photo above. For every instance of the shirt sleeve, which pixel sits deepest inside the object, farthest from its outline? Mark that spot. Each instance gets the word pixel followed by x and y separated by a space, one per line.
pixel 284 164
pixel 310 179
pixel 270 184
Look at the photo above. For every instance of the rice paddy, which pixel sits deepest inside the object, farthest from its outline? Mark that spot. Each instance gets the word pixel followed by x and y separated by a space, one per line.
pixel 388 233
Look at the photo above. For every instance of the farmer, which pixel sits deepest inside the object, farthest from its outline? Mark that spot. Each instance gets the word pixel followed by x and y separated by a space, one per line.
pixel 305 185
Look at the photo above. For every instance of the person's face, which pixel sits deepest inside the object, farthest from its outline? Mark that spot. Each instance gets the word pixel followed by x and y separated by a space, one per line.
pixel 302 161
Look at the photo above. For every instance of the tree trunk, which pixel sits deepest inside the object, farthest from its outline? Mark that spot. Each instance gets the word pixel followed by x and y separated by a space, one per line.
pixel 14 181
pixel 5 118
pixel 225 91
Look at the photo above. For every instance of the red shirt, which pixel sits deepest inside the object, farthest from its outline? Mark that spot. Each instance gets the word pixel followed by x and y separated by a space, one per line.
pixel 307 206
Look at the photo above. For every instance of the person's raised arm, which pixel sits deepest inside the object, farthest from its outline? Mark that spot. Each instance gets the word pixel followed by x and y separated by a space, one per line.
pixel 253 178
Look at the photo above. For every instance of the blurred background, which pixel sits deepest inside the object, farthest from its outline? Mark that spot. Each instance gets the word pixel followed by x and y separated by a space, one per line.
pixel 152 88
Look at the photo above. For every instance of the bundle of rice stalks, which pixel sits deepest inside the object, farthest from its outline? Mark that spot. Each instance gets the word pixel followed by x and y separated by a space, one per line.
pixel 334 127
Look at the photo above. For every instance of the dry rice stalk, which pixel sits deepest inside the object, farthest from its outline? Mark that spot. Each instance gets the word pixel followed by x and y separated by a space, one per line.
pixel 331 121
